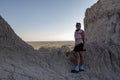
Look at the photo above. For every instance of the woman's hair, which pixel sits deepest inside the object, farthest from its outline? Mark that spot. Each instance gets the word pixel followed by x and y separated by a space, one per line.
pixel 78 24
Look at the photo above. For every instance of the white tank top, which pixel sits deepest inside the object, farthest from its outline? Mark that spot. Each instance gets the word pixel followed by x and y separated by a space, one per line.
pixel 78 37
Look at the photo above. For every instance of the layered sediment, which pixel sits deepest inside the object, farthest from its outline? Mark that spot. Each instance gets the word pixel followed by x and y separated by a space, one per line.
pixel 19 61
pixel 102 30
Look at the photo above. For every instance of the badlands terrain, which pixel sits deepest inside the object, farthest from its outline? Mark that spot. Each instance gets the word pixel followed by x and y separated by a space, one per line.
pixel 20 61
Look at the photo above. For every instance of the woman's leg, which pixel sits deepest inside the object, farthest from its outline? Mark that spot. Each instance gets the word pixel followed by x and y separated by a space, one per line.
pixel 77 58
pixel 81 58
pixel 81 61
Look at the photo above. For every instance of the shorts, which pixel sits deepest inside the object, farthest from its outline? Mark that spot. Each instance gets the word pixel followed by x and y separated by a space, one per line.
pixel 79 47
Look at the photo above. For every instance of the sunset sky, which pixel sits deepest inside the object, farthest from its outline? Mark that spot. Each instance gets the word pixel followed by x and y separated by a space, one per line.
pixel 44 20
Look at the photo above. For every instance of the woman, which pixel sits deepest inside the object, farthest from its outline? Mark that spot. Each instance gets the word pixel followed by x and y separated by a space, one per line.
pixel 78 49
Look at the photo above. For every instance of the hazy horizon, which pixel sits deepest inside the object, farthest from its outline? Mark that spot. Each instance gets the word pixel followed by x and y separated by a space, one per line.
pixel 50 44
pixel 45 40
pixel 44 20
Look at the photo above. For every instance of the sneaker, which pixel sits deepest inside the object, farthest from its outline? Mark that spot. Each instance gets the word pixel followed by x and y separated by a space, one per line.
pixel 76 70
pixel 81 68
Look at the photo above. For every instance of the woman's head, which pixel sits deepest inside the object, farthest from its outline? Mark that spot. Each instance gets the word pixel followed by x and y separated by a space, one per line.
pixel 78 25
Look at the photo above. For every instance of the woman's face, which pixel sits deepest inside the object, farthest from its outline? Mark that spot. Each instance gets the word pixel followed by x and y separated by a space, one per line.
pixel 78 26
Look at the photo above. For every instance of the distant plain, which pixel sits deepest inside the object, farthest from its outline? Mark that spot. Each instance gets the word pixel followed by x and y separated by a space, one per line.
pixel 48 44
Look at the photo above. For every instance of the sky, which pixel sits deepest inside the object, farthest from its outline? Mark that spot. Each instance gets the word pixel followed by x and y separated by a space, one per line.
pixel 44 20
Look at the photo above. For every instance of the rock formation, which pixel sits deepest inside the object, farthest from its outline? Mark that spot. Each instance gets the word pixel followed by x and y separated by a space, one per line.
pixel 8 38
pixel 102 30
pixel 18 60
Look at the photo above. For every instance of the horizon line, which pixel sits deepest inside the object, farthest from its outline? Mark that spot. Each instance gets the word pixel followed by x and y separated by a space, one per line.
pixel 49 41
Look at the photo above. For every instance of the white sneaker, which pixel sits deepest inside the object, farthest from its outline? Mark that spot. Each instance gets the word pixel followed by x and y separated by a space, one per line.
pixel 81 68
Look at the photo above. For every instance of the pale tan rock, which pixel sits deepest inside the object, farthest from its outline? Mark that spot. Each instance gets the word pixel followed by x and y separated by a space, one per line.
pixel 102 30
pixel 102 21
pixel 18 60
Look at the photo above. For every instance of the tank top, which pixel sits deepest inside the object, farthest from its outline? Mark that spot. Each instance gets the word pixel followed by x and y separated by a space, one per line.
pixel 78 37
